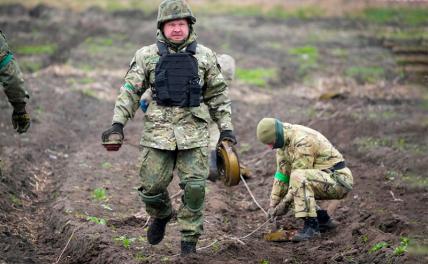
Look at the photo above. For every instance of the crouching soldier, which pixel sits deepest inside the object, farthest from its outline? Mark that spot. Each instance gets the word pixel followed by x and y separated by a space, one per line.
pixel 309 168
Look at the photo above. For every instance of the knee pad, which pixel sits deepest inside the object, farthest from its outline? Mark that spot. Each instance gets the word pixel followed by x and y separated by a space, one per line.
pixel 194 195
pixel 156 201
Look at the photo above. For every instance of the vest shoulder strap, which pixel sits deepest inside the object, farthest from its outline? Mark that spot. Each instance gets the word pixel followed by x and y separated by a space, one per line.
pixel 163 48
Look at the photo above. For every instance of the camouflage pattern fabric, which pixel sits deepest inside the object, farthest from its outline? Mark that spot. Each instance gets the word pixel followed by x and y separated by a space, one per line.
pixel 156 174
pixel 306 157
pixel 175 127
pixel 10 75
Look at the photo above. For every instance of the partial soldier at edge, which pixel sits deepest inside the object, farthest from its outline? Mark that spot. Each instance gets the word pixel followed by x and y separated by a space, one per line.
pixel 13 84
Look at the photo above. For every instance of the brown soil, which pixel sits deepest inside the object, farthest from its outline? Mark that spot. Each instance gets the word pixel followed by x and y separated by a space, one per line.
pixel 50 173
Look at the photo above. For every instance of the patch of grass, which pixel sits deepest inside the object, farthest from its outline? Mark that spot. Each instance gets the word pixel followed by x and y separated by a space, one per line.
pixel 96 220
pixel 216 247
pixel 42 49
pixel 39 110
pixel 415 180
pixel 140 257
pixel 89 92
pixel 418 249
pixel 392 175
pixel 369 143
pixel 125 241
pixel 15 200
pixel 98 45
pixel 338 52
pixel 402 15
pixel 364 238
pixel 106 165
pixel 378 246
pixel 99 194
pixel 257 76
pixel 264 261
pixel 402 248
pixel 30 66
pixel 306 57
pixel 365 74
pixel 408 34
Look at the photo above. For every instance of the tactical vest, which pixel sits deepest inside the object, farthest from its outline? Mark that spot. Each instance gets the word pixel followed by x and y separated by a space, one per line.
pixel 177 78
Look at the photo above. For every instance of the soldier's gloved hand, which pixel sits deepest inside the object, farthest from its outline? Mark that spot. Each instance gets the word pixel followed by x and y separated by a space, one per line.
pixel 20 118
pixel 227 135
pixel 271 214
pixel 282 208
pixel 112 138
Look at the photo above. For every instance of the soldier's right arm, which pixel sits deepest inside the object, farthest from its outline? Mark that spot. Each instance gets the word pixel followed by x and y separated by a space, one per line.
pixel 128 100
pixel 11 77
pixel 281 179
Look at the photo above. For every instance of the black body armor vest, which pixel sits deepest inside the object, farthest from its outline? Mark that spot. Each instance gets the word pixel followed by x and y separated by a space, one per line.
pixel 177 78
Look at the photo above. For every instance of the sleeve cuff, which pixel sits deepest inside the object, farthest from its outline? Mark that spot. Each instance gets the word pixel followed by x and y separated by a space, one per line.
pixel 119 120
pixel 282 177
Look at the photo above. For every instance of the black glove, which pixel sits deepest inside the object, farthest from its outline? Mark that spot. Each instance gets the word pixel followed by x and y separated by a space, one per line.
pixel 20 118
pixel 227 135
pixel 117 129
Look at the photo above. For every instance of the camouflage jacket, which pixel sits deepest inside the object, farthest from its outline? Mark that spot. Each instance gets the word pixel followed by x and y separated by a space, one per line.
pixel 304 148
pixel 173 127
pixel 10 75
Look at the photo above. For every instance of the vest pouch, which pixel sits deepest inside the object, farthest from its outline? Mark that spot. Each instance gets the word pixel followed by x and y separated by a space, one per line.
pixel 161 84
pixel 195 92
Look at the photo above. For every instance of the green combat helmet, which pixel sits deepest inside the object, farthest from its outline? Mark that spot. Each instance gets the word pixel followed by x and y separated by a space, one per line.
pixel 174 9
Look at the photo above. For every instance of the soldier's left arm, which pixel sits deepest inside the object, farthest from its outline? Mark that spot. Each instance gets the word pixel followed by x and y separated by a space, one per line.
pixel 303 153
pixel 216 94
pixel 11 76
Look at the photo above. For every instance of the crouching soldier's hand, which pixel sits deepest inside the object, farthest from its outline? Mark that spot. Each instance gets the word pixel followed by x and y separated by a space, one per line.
pixel 20 118
pixel 112 138
pixel 227 135
pixel 280 209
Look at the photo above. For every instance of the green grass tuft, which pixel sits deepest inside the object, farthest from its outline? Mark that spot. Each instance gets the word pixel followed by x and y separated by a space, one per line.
pixel 365 74
pixel 378 246
pixel 44 49
pixel 306 57
pixel 409 16
pixel 257 77
pixel 99 194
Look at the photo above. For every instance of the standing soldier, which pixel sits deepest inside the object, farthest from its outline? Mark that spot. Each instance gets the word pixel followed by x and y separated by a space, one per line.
pixel 182 75
pixel 309 168
pixel 13 84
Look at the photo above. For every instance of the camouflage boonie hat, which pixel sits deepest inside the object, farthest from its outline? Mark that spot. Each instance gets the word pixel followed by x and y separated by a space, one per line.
pixel 174 9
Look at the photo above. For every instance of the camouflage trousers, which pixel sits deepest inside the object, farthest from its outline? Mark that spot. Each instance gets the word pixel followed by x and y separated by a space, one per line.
pixel 309 185
pixel 156 173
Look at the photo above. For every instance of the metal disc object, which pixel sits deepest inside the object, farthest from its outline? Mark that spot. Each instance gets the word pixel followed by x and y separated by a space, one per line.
pixel 228 164
pixel 280 235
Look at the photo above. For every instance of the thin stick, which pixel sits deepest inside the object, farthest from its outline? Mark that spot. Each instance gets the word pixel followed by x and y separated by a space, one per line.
pixel 252 196
pixel 63 250
pixel 147 222
pixel 395 199
pixel 257 229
